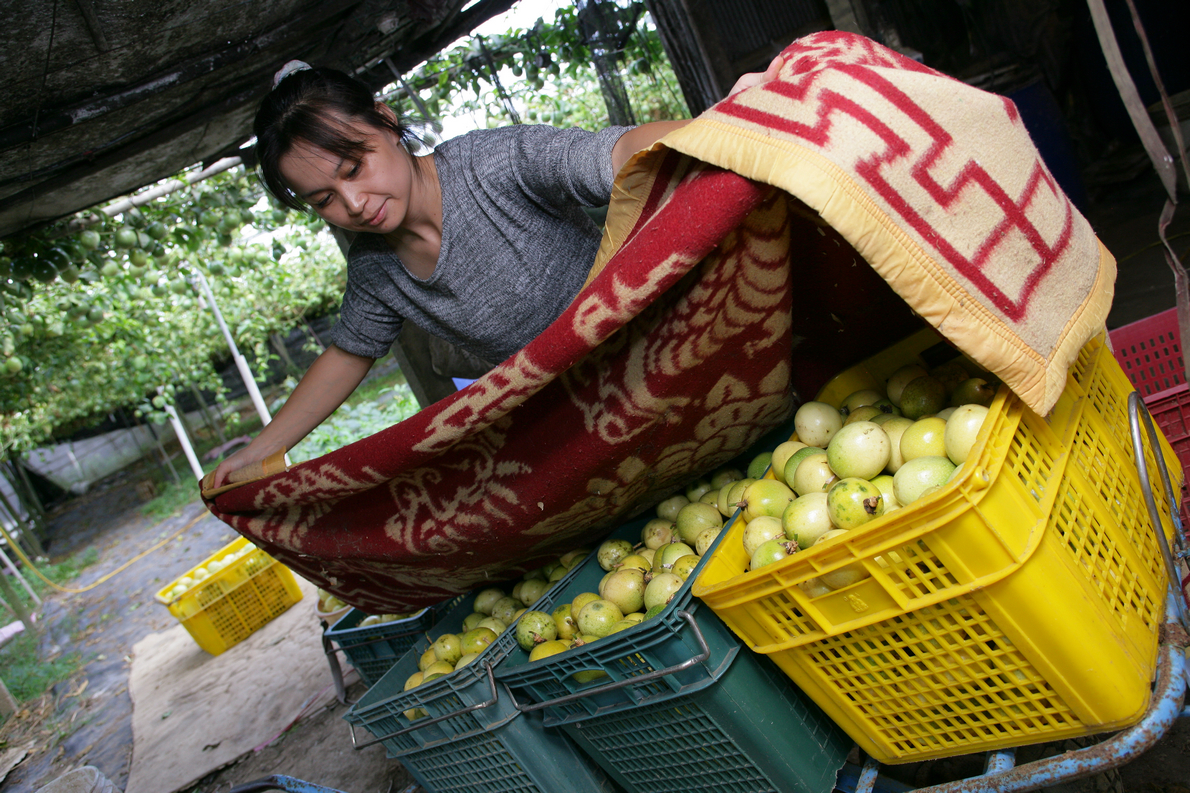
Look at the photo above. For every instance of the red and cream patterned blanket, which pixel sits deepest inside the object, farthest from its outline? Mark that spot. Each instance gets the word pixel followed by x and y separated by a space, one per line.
pixel 791 230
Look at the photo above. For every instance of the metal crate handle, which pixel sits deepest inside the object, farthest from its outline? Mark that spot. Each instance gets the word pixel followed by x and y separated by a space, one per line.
pixel 1135 407
pixel 704 654
pixel 417 725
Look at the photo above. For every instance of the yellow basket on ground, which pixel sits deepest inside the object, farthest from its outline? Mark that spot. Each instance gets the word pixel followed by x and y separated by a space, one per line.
pixel 232 603
pixel 1016 605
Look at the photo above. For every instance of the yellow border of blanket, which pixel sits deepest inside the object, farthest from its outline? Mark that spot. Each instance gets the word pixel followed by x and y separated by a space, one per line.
pixel 1037 378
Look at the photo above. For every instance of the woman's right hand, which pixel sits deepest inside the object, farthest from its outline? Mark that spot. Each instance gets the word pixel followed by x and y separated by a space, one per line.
pixel 254 452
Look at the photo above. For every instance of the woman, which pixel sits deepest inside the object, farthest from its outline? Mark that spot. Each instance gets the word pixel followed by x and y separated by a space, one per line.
pixel 483 243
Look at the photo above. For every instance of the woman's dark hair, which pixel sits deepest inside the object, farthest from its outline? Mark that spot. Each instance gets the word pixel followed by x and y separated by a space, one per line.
pixel 300 107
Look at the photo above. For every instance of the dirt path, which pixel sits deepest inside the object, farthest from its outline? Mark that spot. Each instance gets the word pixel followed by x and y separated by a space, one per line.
pixel 87 719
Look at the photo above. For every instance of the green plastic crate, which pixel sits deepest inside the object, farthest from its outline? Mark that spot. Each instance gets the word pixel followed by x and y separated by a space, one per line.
pixel 447 699
pixel 729 721
pixel 666 641
pixel 750 731
pixel 373 649
pixel 514 755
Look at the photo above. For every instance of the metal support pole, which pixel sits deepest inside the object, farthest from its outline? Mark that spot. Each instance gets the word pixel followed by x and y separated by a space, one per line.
pixel 184 439
pixel 200 283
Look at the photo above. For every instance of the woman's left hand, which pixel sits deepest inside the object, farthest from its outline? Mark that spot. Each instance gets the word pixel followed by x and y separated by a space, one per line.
pixel 756 78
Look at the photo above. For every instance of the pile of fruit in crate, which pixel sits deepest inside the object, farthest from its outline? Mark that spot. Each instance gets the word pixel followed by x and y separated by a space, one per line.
pixel 493 612
pixel 850 463
pixel 200 574
pixel 640 579
pixel 329 604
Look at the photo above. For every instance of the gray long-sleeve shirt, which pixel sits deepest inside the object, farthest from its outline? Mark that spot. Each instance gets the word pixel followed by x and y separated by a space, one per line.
pixel 516 244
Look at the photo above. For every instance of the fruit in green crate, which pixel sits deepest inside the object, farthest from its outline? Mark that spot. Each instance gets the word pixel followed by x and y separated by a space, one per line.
pixel 764 497
pixel 695 518
pixel 580 600
pixel 696 489
pixel 548 648
pixel 465 659
pixel 635 617
pixel 533 590
pixel 772 551
pixel 919 476
pixel 816 423
pixel 648 554
pixel 924 396
pixel 806 519
pixel 564 621
pixel 710 497
pixel 516 614
pixel 620 626
pixel 669 508
pixel 725 476
pixel 496 625
pixel 436 669
pixel 557 574
pixel 571 558
pixel 534 628
pixel 852 502
pixel 661 589
pixel 759 531
pixel 901 378
pixel 664 560
pixel 728 499
pixel 505 609
pixel 657 532
pixel 962 428
pixel 472 620
pixel 685 566
pixel 813 475
pixel 448 648
pixel 612 552
pixel 655 610
pixel 476 640
pixel 597 617
pixel 638 562
pixel 861 449
pixel 625 588
pixel 703 543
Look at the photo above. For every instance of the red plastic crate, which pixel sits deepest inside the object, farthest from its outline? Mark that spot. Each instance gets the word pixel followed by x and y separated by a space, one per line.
pixel 1150 353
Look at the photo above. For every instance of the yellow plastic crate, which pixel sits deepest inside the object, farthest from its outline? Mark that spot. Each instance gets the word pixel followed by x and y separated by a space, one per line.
pixel 1018 604
pixel 230 605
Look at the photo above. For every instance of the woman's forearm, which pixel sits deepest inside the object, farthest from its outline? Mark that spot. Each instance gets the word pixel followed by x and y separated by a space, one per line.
pixel 328 382
pixel 325 386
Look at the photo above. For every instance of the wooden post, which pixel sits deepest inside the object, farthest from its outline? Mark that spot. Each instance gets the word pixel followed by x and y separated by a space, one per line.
pixel 17 605
pixel 8 703
pixel 28 496
pixel 26 528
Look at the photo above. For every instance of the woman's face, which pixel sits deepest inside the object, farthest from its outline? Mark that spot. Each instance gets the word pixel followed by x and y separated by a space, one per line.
pixel 369 194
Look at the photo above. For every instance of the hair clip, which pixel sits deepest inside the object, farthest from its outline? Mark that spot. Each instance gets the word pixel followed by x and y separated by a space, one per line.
pixel 288 69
